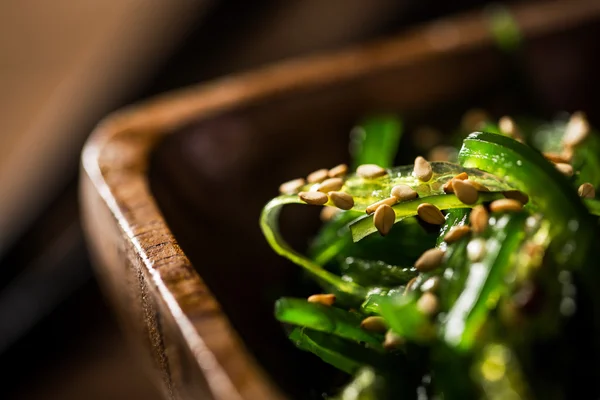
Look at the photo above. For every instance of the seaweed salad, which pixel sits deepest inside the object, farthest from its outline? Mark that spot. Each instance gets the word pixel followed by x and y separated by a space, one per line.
pixel 470 273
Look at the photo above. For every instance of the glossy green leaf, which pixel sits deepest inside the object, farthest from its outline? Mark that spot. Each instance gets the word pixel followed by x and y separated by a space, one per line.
pixel 550 191
pixel 369 273
pixel 376 140
pixel 342 354
pixel 324 318
pixel 454 217
pixel 363 227
pixel 269 223
pixel 404 318
pixel 485 281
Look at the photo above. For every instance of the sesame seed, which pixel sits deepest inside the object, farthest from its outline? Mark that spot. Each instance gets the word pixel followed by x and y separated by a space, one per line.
pixel 456 233
pixel 370 171
pixel 428 303
pixel 403 193
pixel 565 169
pixel 384 219
pixel 331 184
pixel 476 249
pixel 292 187
pixel 431 284
pixel 465 191
pixel 508 127
pixel 429 260
pixel 462 176
pixel 557 157
pixel 314 198
pixel 479 219
pixel 586 191
pixel 392 341
pixel 577 130
pixel 374 324
pixel 328 213
pixel 338 171
pixel 430 214
pixel 478 186
pixel 448 188
pixel 341 200
pixel 505 205
pixel 325 299
pixel 318 176
pixel 390 201
pixel 423 169
pixel 410 284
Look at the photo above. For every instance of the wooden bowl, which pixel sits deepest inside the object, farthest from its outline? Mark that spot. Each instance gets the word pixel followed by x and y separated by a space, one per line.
pixel 172 189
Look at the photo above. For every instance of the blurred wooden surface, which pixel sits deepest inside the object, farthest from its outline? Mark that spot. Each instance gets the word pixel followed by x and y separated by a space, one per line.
pixel 62 63
pixel 166 306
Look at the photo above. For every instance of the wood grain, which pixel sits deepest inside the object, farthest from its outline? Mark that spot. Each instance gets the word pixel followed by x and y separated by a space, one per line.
pixel 173 320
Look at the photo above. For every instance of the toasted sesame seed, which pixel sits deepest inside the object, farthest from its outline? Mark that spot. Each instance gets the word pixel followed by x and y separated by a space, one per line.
pixel 423 169
pixel 465 191
pixel 331 184
pixel 478 186
pixel 403 192
pixel 567 153
pixel 456 233
pixel 328 213
pixel 325 299
pixel 410 284
pixel 476 249
pixel 390 201
pixel 428 303
pixel 374 324
pixel 384 219
pixel 462 176
pixel 508 127
pixel 429 260
pixel 341 200
pixel 586 191
pixel 314 198
pixel 506 205
pixel 392 341
pixel 318 176
pixel 565 169
pixel 430 214
pixel 338 171
pixel 557 157
pixel 516 195
pixel 370 171
pixel 431 284
pixel 577 130
pixel 448 188
pixel 479 219
pixel 292 187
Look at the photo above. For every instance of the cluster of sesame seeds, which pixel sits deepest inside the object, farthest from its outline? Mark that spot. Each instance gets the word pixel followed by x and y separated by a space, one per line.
pixel 576 131
pixel 326 187
pixel 432 259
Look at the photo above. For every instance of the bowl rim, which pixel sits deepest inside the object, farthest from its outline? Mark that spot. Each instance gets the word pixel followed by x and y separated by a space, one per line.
pixel 115 161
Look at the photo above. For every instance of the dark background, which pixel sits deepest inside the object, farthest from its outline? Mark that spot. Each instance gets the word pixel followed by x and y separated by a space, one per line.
pixel 58 338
